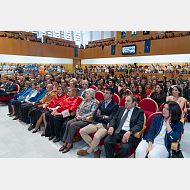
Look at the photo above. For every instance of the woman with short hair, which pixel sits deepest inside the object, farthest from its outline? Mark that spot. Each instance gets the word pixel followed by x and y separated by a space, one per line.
pixel 164 130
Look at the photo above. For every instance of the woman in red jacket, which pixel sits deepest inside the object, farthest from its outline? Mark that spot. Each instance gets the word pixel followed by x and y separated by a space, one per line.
pixel 140 93
pixel 61 96
pixel 59 114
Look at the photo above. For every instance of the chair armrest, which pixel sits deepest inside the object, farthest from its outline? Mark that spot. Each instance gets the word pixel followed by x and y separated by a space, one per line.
pixel 12 92
pixel 185 111
pixel 138 134
pixel 89 118
pixel 187 103
pixel 108 125
pixel 182 120
pixel 174 146
pixel 72 113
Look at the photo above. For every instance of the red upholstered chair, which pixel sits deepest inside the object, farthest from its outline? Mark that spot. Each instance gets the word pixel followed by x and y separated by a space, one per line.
pixel 116 98
pixel 122 102
pixel 105 85
pixel 140 66
pixel 137 135
pixel 161 107
pixel 99 96
pixel 149 106
pixel 146 66
pixel 94 87
pixel 129 91
pixel 4 98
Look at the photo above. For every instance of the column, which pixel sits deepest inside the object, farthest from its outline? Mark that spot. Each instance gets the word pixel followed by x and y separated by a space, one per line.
pixel 115 35
pixel 91 36
pixel 72 36
pixel 81 37
pixel 102 34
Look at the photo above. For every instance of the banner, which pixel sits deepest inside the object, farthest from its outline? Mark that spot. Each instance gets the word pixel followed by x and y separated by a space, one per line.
pixel 112 50
pixel 147 46
pixel 76 52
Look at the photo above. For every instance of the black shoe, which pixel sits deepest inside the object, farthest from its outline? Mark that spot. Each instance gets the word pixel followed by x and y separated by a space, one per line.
pixel 51 137
pixel 9 113
pixel 48 135
pixel 16 118
pixel 28 122
pixel 32 126
pixel 36 130
pixel 12 115
pixel 42 135
pixel 56 140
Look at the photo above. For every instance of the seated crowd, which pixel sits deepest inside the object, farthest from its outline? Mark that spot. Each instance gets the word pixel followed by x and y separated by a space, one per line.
pixel 104 42
pixel 29 68
pixel 170 69
pixel 66 105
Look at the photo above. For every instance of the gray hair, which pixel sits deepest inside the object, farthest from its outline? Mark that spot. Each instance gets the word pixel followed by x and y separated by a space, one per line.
pixel 134 99
pixel 85 81
pixel 92 92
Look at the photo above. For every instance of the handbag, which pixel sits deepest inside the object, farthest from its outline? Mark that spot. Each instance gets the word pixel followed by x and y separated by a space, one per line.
pixel 177 154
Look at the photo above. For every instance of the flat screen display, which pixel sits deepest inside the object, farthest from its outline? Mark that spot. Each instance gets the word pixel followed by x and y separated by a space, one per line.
pixel 130 49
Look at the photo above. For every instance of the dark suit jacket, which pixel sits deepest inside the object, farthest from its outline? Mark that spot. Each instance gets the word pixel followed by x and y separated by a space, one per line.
pixel 11 88
pixel 186 94
pixel 110 111
pixel 115 89
pixel 136 122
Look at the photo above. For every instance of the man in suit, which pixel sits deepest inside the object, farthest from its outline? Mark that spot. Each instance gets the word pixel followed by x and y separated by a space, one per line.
pixel 185 92
pixel 11 87
pixel 168 84
pixel 104 113
pixel 112 85
pixel 127 121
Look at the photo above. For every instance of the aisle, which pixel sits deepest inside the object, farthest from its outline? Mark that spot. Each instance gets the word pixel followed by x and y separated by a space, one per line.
pixel 17 142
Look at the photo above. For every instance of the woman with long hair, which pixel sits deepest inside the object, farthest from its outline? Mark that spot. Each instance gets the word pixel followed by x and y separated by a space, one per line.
pixel 134 86
pixel 177 96
pixel 140 93
pixel 149 88
pixel 100 87
pixel 164 130
pixel 159 95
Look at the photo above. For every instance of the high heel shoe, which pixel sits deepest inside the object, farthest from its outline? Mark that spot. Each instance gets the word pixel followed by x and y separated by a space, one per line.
pixel 42 135
pixel 36 130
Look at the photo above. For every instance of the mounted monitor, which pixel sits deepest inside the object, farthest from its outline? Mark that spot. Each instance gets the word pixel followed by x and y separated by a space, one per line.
pixel 130 49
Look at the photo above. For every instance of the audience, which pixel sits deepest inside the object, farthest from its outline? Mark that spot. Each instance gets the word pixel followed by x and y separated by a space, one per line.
pixel 29 105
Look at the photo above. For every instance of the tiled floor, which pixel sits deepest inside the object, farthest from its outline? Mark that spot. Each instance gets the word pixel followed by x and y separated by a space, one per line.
pixel 17 142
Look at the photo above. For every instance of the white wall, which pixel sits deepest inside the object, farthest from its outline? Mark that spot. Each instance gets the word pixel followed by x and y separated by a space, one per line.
pixel 96 35
pixel 107 34
pixel 175 58
pixel 86 37
pixel 33 59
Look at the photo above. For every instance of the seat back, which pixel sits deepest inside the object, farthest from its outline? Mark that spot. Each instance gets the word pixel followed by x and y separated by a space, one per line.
pixel 99 96
pixel 129 91
pixel 122 102
pixel 116 98
pixel 94 87
pixel 161 107
pixel 149 121
pixel 148 105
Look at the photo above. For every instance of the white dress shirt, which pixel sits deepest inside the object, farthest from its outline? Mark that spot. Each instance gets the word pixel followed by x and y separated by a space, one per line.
pixel 126 125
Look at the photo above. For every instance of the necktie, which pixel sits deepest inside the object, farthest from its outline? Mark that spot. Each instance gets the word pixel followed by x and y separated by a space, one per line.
pixel 122 122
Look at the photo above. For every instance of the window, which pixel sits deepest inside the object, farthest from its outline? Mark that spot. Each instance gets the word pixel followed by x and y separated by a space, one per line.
pixel 43 33
pixel 77 39
pixel 68 35
pixel 36 32
pixel 57 34
pixel 62 35
pixel 50 33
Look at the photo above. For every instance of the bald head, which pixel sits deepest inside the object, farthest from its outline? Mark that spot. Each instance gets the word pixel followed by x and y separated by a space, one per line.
pixel 49 87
